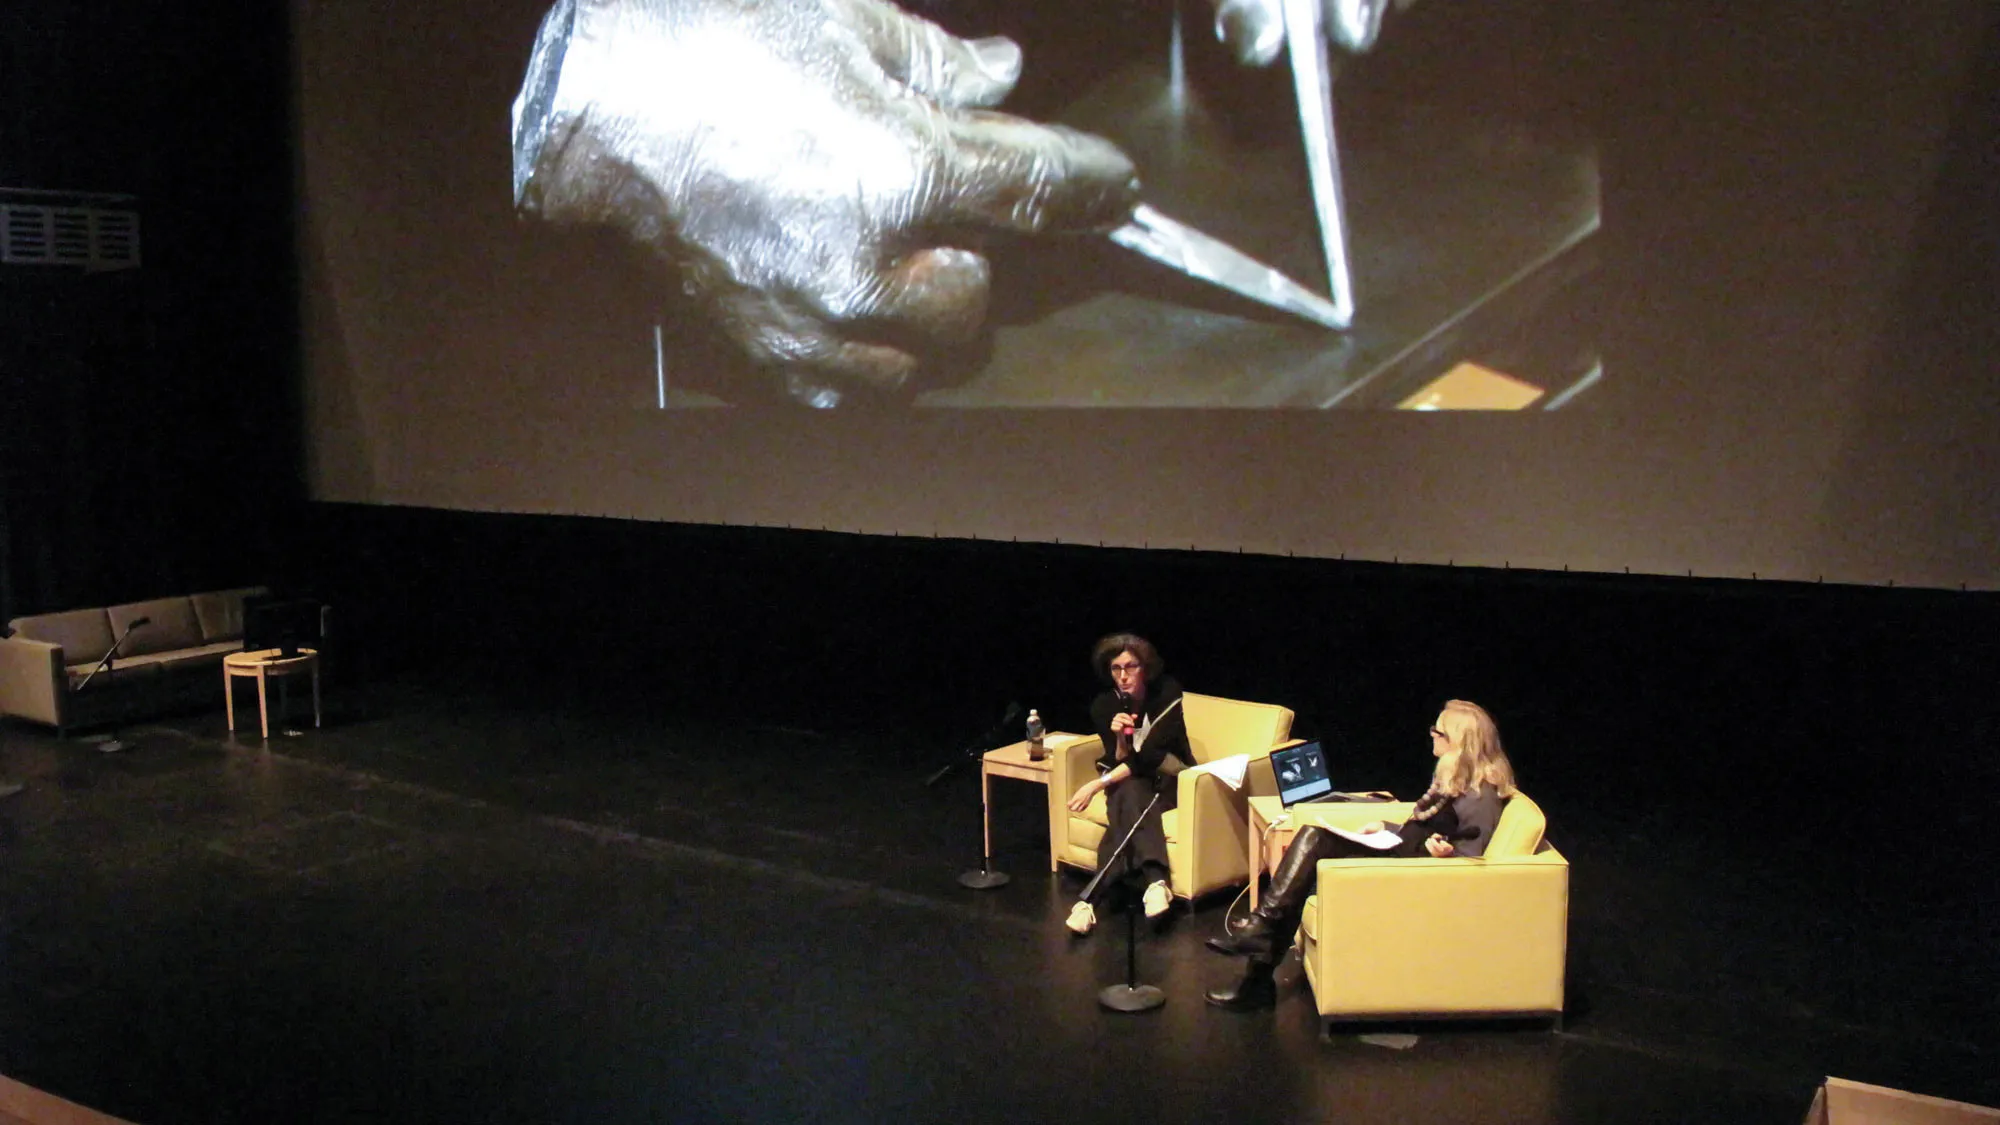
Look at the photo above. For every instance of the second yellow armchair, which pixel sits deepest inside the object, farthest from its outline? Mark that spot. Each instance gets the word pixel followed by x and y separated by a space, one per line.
pixel 1441 938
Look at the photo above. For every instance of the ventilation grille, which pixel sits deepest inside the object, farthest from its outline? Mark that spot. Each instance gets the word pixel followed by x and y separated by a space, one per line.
pixel 90 238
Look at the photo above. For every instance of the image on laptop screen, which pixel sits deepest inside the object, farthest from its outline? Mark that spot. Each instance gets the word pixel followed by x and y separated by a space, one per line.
pixel 1301 772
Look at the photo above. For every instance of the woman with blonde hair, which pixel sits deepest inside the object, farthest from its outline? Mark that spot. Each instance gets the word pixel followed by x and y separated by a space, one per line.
pixel 1470 784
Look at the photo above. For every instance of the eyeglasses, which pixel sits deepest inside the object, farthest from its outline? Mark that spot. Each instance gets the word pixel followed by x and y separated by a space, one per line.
pixel 1436 733
pixel 1117 668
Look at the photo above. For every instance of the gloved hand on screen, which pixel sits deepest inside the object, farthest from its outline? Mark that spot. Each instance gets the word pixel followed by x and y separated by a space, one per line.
pixel 820 172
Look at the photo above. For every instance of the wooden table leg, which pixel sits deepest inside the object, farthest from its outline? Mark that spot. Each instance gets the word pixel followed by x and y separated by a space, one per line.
pixel 263 704
pixel 1256 857
pixel 986 810
pixel 229 697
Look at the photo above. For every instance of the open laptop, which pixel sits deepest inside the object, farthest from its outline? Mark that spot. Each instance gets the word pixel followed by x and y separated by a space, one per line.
pixel 1301 773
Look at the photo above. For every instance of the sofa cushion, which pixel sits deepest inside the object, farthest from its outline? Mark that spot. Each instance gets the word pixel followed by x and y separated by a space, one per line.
pixel 221 612
pixel 177 662
pixel 1096 812
pixel 84 634
pixel 209 655
pixel 1085 836
pixel 170 625
pixel 122 672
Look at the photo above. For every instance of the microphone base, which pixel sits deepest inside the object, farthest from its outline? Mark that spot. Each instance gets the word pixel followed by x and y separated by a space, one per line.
pixel 984 880
pixel 1131 997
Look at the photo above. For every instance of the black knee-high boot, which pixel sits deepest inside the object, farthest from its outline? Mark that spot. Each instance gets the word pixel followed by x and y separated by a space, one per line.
pixel 1279 912
pixel 1256 990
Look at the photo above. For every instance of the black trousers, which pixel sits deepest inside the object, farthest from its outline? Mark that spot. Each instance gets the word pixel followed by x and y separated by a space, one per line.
pixel 1123 803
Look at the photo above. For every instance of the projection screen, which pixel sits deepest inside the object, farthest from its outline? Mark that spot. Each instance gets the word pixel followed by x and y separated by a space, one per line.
pixel 1537 283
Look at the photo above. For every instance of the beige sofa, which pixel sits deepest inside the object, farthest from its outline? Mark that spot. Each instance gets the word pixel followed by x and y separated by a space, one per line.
pixel 176 655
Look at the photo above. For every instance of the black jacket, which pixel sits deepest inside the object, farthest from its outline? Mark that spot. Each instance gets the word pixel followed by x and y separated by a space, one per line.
pixel 1168 734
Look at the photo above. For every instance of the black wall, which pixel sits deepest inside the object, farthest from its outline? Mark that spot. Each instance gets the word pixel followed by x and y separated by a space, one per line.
pixel 149 416
pixel 1603 684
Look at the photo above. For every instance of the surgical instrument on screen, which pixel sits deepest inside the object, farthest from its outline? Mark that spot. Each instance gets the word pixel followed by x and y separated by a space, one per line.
pixel 1210 259
pixel 1312 79
pixel 1201 256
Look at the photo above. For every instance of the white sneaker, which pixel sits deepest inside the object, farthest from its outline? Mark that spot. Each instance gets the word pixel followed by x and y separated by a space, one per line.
pixel 1159 899
pixel 1082 919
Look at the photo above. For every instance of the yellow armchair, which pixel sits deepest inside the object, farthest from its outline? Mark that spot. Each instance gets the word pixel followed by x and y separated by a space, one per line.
pixel 1442 938
pixel 1208 834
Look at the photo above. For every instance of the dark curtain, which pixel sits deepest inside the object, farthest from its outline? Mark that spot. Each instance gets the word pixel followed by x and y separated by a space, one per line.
pixel 148 418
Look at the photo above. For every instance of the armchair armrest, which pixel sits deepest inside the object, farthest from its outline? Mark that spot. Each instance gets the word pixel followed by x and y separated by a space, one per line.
pixel 33 684
pixel 1067 769
pixel 1215 822
pixel 1071 766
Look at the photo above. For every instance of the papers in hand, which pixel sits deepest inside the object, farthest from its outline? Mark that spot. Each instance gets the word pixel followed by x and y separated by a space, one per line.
pixel 1381 841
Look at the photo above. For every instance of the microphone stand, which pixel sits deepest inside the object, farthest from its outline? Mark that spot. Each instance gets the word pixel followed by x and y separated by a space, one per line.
pixel 104 665
pixel 110 743
pixel 1130 996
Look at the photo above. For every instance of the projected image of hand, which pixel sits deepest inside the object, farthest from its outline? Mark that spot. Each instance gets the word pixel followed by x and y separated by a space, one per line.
pixel 820 173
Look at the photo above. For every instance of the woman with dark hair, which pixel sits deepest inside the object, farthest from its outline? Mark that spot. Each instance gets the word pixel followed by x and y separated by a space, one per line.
pixel 1457 815
pixel 1145 744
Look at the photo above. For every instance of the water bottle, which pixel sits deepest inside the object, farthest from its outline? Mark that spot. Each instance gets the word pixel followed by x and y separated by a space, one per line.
pixel 1036 750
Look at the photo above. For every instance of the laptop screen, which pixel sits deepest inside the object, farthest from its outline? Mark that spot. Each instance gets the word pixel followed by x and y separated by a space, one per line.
pixel 1301 772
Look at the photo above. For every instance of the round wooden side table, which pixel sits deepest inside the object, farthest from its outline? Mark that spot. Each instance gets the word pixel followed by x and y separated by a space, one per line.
pixel 265 665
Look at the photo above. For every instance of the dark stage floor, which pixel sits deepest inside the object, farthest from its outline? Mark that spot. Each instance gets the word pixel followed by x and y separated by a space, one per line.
pixel 449 906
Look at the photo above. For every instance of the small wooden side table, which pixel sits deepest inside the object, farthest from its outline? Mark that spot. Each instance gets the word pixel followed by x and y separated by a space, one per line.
pixel 1264 812
pixel 1013 761
pixel 263 666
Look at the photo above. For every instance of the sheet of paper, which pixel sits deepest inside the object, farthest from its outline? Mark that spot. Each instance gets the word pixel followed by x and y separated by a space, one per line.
pixel 1230 771
pixel 1380 841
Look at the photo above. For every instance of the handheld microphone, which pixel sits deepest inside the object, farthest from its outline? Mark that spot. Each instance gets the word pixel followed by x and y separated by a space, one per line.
pixel 138 621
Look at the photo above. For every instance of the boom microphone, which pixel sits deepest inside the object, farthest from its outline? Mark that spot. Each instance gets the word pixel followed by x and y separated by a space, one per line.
pixel 996 735
pixel 108 658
